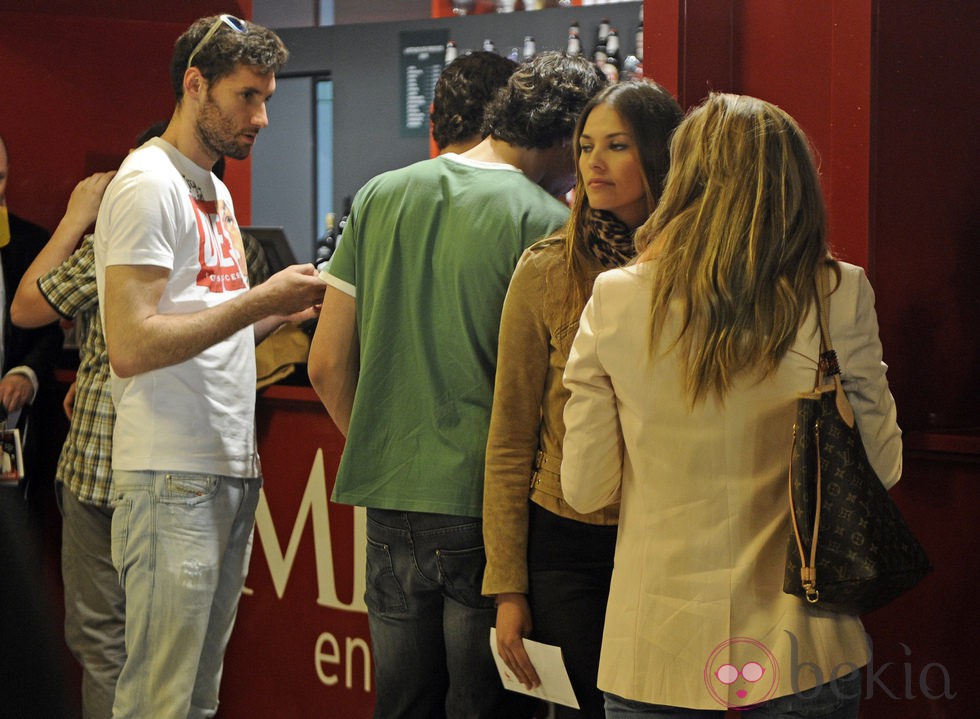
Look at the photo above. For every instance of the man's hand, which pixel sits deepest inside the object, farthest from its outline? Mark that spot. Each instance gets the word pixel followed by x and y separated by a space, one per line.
pixel 291 290
pixel 293 294
pixel 513 624
pixel 15 391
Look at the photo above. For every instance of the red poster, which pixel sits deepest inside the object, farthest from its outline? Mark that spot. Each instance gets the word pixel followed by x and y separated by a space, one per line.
pixel 301 646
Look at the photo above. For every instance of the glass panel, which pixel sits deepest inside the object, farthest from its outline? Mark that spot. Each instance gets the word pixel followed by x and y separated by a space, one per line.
pixel 326 12
pixel 283 163
pixel 324 156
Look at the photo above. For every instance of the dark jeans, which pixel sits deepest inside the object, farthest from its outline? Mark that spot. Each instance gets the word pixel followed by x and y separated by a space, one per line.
pixel 568 608
pixel 430 625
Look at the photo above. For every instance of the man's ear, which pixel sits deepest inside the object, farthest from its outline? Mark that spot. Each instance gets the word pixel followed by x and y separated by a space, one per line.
pixel 194 82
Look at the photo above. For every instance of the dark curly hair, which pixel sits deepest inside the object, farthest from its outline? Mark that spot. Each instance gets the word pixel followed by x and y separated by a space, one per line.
pixel 542 100
pixel 462 93
pixel 257 47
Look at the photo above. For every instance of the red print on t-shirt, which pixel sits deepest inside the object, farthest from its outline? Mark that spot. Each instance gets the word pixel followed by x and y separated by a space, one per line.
pixel 221 251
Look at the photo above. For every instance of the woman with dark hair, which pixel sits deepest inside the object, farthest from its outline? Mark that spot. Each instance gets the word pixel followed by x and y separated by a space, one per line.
pixel 548 565
pixel 684 378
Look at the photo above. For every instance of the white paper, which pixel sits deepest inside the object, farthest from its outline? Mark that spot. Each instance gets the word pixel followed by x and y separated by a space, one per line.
pixel 555 685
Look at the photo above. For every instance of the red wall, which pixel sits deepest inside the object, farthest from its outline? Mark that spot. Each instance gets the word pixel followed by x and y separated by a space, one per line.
pixel 887 92
pixel 811 59
pixel 814 61
pixel 925 209
pixel 80 80
pixel 301 645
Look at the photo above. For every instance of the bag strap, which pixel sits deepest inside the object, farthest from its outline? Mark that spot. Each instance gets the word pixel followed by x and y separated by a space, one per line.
pixel 827 365
pixel 808 566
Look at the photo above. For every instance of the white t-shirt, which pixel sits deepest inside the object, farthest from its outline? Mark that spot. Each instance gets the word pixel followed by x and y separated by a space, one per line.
pixel 164 210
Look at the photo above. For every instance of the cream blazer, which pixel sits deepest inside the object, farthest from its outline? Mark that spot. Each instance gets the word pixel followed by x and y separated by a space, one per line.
pixel 696 593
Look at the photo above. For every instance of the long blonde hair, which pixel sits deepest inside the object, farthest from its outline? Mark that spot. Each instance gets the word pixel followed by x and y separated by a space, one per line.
pixel 739 232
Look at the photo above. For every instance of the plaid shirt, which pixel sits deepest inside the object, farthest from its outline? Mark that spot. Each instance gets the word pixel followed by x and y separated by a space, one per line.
pixel 85 462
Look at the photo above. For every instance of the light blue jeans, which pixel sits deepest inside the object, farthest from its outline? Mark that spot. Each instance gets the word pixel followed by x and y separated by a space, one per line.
pixel 181 545
pixel 430 625
pixel 95 606
pixel 838 699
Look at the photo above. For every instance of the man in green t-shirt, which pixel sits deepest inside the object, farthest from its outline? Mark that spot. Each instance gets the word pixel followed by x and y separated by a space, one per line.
pixel 403 359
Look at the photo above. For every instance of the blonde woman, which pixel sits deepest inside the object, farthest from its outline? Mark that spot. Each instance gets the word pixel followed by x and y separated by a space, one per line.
pixel 548 565
pixel 683 378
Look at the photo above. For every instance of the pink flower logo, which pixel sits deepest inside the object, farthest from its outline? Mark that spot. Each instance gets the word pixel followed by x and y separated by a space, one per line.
pixel 741 673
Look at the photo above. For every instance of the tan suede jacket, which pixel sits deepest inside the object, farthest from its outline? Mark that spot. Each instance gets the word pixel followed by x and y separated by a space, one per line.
pixel 524 447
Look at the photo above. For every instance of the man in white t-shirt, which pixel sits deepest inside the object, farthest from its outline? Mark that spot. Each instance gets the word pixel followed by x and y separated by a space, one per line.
pixel 181 322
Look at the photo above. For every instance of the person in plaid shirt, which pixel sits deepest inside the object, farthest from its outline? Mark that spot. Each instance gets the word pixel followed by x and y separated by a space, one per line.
pixel 60 284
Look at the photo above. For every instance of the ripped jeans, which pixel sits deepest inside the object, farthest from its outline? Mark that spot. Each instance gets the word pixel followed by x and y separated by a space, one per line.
pixel 181 544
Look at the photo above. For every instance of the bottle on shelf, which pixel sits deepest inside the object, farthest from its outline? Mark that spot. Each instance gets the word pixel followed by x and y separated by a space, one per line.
pixel 601 33
pixel 343 218
pixel 599 56
pixel 574 46
pixel 530 48
pixel 489 46
pixel 632 67
pixel 638 40
pixel 326 245
pixel 612 45
pixel 463 7
pixel 612 64
pixel 452 52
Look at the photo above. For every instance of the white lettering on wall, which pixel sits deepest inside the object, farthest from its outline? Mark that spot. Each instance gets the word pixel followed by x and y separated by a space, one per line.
pixel 314 505
pixel 326 654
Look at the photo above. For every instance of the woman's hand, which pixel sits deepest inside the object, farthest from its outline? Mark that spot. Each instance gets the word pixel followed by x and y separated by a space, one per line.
pixel 513 624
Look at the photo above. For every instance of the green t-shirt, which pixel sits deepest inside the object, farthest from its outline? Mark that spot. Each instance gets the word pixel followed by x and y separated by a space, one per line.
pixel 428 252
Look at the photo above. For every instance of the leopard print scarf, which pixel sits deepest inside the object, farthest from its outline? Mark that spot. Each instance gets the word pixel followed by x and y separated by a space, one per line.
pixel 609 240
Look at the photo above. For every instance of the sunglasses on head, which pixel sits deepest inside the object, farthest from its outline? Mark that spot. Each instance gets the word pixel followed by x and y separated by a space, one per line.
pixel 236 24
